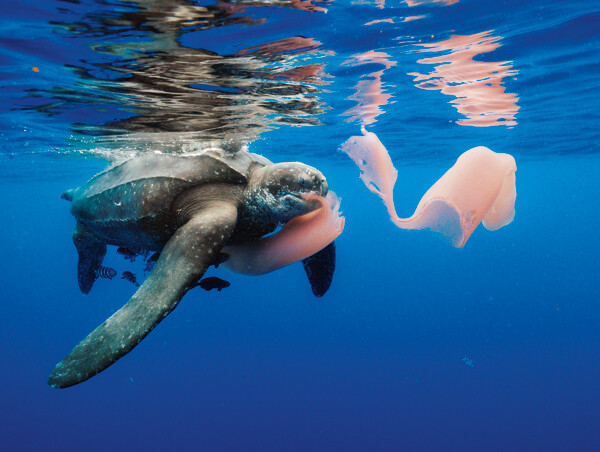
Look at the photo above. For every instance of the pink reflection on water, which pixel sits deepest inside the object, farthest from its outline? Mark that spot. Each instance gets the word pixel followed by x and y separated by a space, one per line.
pixel 381 3
pixel 430 2
pixel 381 21
pixel 305 5
pixel 393 20
pixel 308 5
pixel 286 49
pixel 310 73
pixel 476 85
pixel 287 46
pixel 411 18
pixel 370 93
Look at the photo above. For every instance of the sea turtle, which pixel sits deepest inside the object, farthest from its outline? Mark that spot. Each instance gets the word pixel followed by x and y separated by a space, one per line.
pixel 187 208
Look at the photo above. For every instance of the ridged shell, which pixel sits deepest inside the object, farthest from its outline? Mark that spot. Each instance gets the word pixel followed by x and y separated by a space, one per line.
pixel 146 186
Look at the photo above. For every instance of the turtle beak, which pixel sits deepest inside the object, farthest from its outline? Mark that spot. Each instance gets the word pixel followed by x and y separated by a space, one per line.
pixel 324 186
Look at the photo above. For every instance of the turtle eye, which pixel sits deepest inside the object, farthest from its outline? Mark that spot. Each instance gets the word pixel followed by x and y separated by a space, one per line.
pixel 304 181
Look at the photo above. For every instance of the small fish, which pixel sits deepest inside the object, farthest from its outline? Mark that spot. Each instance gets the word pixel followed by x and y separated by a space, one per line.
pixel 127 253
pixel 127 275
pixel 150 262
pixel 106 272
pixel 131 253
pixel 468 361
pixel 212 282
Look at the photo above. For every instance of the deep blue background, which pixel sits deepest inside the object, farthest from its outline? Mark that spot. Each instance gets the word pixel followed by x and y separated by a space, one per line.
pixel 379 363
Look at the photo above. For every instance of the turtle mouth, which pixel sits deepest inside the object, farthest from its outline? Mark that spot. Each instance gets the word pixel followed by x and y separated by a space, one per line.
pixel 310 198
pixel 313 184
pixel 296 204
pixel 306 195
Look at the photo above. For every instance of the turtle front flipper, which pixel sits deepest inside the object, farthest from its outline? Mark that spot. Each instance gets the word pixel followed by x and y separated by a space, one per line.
pixel 182 262
pixel 91 250
pixel 320 268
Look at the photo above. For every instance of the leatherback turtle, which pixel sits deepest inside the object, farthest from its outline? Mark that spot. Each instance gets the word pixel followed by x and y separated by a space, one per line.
pixel 188 208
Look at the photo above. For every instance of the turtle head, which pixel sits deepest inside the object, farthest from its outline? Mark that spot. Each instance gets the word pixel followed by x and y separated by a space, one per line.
pixel 277 190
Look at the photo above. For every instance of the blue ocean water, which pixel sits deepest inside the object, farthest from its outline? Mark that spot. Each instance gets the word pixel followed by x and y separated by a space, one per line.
pixel 417 346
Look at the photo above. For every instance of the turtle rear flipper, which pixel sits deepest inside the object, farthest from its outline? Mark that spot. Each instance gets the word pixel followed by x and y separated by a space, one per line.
pixel 91 250
pixel 182 262
pixel 320 268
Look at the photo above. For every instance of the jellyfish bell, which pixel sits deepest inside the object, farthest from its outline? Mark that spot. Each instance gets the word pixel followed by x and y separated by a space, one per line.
pixel 481 186
pixel 299 239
